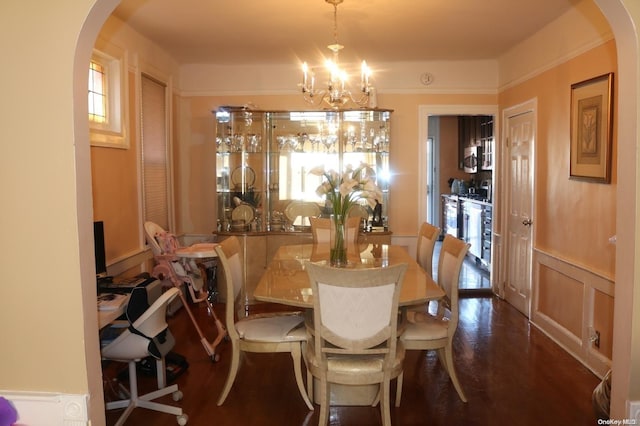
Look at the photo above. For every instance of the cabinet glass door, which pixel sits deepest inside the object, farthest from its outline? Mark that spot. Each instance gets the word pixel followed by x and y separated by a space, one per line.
pixel 240 169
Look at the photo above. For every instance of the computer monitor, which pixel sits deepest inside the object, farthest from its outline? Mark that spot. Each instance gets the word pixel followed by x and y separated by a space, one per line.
pixel 101 258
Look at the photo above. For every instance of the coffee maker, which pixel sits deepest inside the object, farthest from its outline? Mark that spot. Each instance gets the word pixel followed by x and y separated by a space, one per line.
pixel 486 189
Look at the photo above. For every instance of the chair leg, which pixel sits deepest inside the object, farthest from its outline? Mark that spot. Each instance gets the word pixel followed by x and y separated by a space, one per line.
pixel 296 354
pixel 325 401
pixel 146 400
pixel 451 369
pixel 399 382
pixel 233 370
pixel 161 372
pixel 132 402
pixel 309 385
pixel 385 408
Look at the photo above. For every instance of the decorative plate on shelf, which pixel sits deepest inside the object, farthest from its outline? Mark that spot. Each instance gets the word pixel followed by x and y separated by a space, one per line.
pixel 243 176
pixel 243 212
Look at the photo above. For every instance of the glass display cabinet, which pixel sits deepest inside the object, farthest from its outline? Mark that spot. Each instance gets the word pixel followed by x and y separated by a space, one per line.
pixel 240 169
pixel 264 158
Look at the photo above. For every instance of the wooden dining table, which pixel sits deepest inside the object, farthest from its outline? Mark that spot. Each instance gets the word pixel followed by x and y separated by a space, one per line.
pixel 285 280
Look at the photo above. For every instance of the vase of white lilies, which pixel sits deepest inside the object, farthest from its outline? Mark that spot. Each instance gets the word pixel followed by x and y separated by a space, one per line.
pixel 343 191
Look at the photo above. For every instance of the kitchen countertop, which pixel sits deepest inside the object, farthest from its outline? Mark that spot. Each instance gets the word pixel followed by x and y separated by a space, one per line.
pixel 463 197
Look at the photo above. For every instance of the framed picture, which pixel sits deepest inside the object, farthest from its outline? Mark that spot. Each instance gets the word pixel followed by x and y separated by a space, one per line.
pixel 591 129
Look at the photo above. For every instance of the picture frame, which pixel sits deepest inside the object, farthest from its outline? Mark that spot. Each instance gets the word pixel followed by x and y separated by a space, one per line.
pixel 591 129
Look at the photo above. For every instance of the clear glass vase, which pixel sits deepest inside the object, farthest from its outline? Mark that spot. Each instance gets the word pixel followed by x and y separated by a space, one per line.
pixel 338 241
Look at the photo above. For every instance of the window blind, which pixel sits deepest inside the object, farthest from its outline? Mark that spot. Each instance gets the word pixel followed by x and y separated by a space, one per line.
pixel 154 151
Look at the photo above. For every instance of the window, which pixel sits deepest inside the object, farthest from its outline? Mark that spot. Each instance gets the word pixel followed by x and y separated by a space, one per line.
pixel 107 106
pixel 97 93
pixel 155 151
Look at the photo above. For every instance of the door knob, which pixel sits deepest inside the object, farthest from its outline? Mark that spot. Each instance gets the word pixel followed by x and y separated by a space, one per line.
pixel 527 222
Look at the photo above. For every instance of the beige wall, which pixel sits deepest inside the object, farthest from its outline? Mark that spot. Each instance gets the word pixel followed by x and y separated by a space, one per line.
pixel 115 190
pixel 574 219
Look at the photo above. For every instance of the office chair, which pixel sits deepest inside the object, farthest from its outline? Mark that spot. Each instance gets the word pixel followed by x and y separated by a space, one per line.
pixel 147 335
pixel 180 272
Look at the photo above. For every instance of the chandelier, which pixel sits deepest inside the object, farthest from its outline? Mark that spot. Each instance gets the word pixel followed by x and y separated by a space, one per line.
pixel 336 94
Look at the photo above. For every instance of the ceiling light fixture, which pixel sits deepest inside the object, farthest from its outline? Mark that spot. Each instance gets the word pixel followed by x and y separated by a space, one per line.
pixel 337 95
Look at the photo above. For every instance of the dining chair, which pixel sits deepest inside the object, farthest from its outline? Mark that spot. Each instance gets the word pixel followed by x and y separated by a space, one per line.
pixel 353 339
pixel 260 333
pixel 321 229
pixel 427 331
pixel 299 213
pixel 147 335
pixel 427 237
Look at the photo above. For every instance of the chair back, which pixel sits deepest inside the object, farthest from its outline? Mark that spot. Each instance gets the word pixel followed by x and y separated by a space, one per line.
pixel 299 212
pixel 152 232
pixel 450 262
pixel 321 229
pixel 232 279
pixel 355 310
pixel 151 323
pixel 427 238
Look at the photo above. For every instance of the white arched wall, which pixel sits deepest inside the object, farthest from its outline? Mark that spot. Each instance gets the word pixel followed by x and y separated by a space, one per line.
pixel 623 17
pixel 86 40
pixel 621 14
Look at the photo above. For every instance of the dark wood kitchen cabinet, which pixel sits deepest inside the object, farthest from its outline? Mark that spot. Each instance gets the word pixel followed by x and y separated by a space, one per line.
pixel 476 130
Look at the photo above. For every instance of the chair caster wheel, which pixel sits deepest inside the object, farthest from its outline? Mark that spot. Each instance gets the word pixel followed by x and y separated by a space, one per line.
pixel 215 357
pixel 177 395
pixel 182 419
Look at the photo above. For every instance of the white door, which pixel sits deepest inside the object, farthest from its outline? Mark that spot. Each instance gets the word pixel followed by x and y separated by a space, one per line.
pixel 519 209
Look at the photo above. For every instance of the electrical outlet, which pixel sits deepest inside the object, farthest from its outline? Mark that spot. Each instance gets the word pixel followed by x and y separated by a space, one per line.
pixel 596 339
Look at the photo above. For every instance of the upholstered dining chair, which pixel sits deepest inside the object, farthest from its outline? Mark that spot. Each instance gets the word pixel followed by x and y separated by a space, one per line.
pixel 321 229
pixel 148 335
pixel 300 212
pixel 427 237
pixel 353 339
pixel 427 331
pixel 262 333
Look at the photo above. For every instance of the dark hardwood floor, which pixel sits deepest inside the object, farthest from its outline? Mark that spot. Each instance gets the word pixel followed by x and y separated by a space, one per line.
pixel 512 374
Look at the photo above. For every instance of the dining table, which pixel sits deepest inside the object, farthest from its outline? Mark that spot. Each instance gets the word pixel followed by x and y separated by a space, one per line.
pixel 285 281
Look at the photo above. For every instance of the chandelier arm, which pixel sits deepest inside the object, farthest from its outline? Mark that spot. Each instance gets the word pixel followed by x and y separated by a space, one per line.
pixel 314 98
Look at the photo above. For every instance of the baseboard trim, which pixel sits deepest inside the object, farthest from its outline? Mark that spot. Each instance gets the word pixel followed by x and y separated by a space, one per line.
pixel 48 408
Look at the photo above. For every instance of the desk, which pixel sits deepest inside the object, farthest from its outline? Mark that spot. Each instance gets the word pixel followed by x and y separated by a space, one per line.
pixel 106 317
pixel 285 280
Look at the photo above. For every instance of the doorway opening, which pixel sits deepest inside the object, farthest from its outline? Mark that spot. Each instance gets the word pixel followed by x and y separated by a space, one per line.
pixel 464 210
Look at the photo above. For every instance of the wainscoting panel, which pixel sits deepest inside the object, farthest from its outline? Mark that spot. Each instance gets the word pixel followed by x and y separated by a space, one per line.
pixel 574 306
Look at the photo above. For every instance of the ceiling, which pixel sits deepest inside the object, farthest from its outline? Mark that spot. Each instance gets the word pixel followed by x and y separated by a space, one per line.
pixel 285 31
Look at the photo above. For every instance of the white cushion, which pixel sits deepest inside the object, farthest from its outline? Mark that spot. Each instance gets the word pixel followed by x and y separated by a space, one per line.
pixel 428 330
pixel 275 328
pixel 354 364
